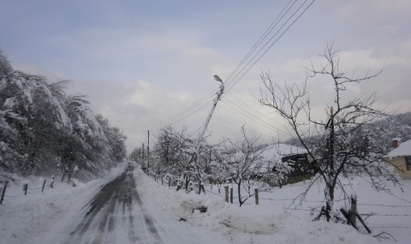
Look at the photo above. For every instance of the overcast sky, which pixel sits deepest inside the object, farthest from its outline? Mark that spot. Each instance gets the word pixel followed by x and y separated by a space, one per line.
pixel 143 63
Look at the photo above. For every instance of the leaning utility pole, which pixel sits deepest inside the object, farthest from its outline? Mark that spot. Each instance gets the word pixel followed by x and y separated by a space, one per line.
pixel 216 99
pixel 193 161
pixel 201 135
pixel 148 150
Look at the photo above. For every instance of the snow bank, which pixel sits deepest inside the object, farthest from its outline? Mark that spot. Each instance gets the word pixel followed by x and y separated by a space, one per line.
pixel 250 223
pixel 43 217
pixel 38 214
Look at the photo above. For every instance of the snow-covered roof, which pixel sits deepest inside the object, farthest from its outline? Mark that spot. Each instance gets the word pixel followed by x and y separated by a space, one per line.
pixel 403 150
pixel 278 151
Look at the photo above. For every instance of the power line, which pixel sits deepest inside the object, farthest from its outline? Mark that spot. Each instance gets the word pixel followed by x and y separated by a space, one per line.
pixel 263 36
pixel 256 132
pixel 257 117
pixel 241 70
pixel 245 69
pixel 196 107
pixel 250 116
pixel 261 115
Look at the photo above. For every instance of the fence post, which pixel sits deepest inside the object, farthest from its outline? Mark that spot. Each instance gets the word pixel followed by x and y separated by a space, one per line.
pixel 3 192
pixel 226 193
pixel 25 186
pixel 62 178
pixel 256 196
pixel 353 212
pixel 231 195
pixel 52 182
pixel 44 183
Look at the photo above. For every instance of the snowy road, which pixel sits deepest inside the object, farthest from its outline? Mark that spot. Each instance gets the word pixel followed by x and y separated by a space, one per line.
pixel 119 214
pixel 133 208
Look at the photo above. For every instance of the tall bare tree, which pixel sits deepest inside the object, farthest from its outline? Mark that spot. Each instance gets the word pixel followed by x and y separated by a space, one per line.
pixel 340 144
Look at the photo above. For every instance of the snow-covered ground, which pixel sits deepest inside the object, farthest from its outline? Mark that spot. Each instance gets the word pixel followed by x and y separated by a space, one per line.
pixel 46 217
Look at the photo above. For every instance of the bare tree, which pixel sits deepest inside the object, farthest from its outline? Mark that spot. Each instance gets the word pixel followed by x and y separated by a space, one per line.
pixel 340 144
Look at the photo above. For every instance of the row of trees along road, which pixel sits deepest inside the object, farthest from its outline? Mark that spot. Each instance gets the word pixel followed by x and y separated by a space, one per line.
pixel 345 142
pixel 240 162
pixel 44 130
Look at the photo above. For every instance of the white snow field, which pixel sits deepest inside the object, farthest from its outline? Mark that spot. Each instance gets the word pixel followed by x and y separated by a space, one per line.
pixel 159 214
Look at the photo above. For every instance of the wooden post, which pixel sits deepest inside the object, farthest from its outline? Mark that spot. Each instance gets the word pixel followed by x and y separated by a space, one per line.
pixel 231 195
pixel 62 178
pixel 52 182
pixel 353 212
pixel 363 223
pixel 44 183
pixel 169 183
pixel 256 196
pixel 226 193
pixel 3 192
pixel 25 186
pixel 346 215
pixel 352 215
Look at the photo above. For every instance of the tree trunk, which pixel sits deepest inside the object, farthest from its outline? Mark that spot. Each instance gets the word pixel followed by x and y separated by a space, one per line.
pixel 239 193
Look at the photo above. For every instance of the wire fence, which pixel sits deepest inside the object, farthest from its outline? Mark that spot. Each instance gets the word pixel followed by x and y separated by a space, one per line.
pixel 313 210
pixel 26 190
pixel 296 204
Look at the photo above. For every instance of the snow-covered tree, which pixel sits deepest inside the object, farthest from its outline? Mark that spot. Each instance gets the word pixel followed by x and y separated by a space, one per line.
pixel 244 165
pixel 37 117
pixel 42 127
pixel 396 126
pixel 115 139
pixel 136 155
pixel 343 142
pixel 171 154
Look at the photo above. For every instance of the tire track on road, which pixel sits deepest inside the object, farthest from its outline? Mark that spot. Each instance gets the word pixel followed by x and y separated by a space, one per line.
pixel 147 218
pixel 115 201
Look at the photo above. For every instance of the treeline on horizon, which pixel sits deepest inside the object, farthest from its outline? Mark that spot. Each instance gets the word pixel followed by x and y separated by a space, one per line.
pixel 396 126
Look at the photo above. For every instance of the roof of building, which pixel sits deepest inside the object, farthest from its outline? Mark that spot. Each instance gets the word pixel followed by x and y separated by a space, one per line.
pixel 403 150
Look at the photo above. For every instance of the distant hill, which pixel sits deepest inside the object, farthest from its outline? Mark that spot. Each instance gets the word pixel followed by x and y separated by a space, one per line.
pixel 395 126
